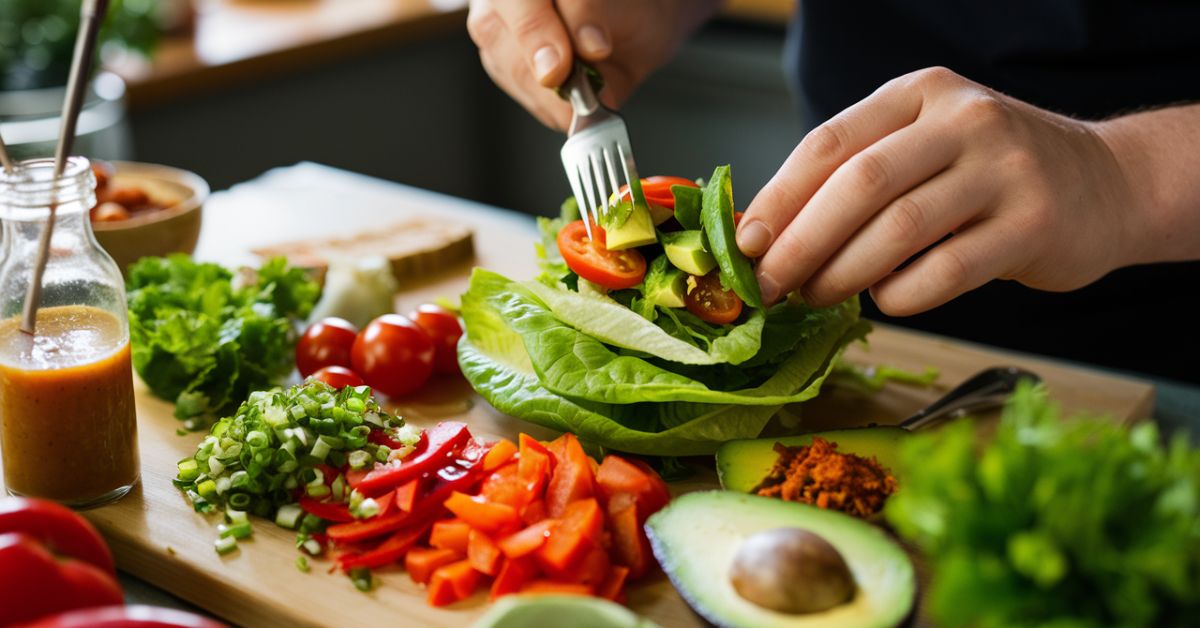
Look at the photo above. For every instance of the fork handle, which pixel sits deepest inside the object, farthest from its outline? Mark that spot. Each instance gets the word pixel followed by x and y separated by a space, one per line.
pixel 580 89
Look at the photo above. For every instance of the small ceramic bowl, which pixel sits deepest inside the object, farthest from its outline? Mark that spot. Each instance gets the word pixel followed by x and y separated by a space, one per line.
pixel 174 229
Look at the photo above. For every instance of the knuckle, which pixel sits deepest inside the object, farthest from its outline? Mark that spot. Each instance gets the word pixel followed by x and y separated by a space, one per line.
pixel 796 252
pixel 871 171
pixel 936 77
pixel 531 26
pixel 905 219
pixel 892 302
pixel 826 288
pixel 483 26
pixel 1020 161
pixel 951 267
pixel 826 142
pixel 984 111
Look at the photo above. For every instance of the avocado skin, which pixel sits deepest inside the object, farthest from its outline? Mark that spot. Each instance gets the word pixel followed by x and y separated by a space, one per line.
pixel 686 251
pixel 742 464
pixel 696 536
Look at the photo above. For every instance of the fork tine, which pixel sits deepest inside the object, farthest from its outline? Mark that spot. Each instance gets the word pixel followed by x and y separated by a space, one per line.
pixel 573 177
pixel 627 165
pixel 585 179
pixel 612 175
pixel 601 185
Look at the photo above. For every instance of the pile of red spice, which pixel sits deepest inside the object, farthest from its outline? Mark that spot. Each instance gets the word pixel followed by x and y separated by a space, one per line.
pixel 818 474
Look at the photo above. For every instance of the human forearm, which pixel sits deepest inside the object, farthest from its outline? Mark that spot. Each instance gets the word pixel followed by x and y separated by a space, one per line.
pixel 1159 153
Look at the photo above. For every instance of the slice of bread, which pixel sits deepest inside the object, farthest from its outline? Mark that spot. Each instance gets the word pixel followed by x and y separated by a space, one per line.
pixel 415 247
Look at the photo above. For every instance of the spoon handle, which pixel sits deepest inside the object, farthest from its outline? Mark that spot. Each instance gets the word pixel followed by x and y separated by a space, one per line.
pixel 987 389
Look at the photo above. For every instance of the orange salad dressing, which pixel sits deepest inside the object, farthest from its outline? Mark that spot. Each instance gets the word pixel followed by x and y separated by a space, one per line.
pixel 68 426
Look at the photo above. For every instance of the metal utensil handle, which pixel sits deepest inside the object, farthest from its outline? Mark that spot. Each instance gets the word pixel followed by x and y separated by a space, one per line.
pixel 580 89
pixel 987 389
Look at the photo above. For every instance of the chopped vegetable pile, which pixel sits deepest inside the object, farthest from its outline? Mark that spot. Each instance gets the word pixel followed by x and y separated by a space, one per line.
pixel 671 357
pixel 1074 522
pixel 206 344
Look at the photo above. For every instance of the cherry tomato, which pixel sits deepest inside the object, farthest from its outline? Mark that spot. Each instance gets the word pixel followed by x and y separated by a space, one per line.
pixel 394 355
pixel 737 218
pixel 711 302
pixel 657 189
pixel 338 377
pixel 591 260
pixel 326 342
pixel 444 330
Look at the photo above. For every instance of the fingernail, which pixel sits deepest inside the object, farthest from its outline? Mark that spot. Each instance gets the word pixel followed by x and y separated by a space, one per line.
pixel 544 61
pixel 593 40
pixel 769 288
pixel 754 238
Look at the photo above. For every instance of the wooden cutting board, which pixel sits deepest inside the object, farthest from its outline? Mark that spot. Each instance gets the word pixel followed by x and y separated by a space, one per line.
pixel 156 536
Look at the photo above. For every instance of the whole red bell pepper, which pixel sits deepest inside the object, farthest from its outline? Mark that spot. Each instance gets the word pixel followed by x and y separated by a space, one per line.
pixel 51 560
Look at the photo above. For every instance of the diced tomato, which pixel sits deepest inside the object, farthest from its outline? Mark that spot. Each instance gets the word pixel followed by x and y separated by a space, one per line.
pixel 389 551
pixel 737 218
pixel 483 553
pixel 329 511
pixel 451 534
pixel 526 541
pixel 612 586
pixel 550 587
pixel 482 515
pixel 514 573
pixel 421 562
pixel 406 495
pixel 572 478
pixel 451 583
pixel 591 259
pixel 436 445
pixel 500 453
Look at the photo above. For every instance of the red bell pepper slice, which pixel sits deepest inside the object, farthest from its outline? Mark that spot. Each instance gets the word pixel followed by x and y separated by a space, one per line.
pixel 483 554
pixel 500 453
pixel 436 446
pixel 51 560
pixel 528 540
pixel 451 583
pixel 380 436
pixel 514 573
pixel 451 534
pixel 329 511
pixel 572 477
pixel 421 562
pixel 482 515
pixel 406 495
pixel 390 550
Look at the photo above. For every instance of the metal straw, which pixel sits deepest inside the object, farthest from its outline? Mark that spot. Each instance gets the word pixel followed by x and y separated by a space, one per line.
pixel 7 161
pixel 90 16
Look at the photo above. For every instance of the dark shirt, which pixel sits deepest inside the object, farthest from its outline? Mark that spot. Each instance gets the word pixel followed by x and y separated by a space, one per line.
pixel 1088 59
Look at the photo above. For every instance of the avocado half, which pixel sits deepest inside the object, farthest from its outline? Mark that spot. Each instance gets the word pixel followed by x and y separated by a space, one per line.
pixel 696 537
pixel 742 464
pixel 549 611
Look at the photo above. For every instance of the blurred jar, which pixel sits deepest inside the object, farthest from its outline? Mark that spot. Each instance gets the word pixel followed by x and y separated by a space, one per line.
pixel 30 120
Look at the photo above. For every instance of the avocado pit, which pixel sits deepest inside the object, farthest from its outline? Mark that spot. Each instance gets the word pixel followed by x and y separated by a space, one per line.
pixel 791 570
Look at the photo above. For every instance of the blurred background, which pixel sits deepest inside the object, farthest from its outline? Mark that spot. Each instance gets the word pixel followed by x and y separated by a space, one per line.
pixel 391 88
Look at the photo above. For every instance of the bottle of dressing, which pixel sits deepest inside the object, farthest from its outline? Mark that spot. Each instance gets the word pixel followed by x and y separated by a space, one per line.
pixel 68 430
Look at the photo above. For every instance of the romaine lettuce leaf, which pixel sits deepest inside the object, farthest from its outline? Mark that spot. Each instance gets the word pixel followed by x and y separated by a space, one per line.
pixel 612 323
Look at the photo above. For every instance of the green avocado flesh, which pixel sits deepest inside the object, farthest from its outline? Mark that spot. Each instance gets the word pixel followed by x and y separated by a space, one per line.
pixel 669 289
pixel 638 230
pixel 530 611
pixel 686 251
pixel 742 464
pixel 696 537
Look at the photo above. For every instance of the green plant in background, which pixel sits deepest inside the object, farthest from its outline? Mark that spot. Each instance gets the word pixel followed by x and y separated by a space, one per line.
pixel 37 37
pixel 1062 522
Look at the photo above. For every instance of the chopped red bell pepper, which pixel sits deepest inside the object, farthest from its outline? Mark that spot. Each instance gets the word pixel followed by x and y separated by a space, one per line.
pixel 390 550
pixel 433 451
pixel 421 562
pixel 329 511
pixel 514 573
pixel 572 477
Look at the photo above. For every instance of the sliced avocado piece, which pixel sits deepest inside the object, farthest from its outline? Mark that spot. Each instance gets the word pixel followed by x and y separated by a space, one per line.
pixel 578 611
pixel 636 230
pixel 716 215
pixel 742 464
pixel 687 205
pixel 664 284
pixel 686 251
pixel 697 537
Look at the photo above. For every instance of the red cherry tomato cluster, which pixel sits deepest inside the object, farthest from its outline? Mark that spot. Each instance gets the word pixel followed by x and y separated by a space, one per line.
pixel 394 354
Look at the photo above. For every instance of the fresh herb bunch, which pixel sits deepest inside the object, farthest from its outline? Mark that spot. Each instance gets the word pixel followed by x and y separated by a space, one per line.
pixel 37 37
pixel 205 343
pixel 1076 522
pixel 277 444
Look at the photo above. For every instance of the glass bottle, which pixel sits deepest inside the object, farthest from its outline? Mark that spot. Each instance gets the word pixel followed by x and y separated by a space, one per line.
pixel 68 429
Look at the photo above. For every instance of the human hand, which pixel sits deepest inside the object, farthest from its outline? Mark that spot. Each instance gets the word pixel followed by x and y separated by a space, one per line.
pixel 528 46
pixel 1028 195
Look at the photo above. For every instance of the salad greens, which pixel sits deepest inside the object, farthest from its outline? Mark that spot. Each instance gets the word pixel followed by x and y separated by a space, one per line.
pixel 205 343
pixel 1066 522
pixel 631 369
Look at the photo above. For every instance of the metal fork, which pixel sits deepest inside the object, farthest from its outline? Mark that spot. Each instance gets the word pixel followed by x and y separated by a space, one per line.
pixel 597 138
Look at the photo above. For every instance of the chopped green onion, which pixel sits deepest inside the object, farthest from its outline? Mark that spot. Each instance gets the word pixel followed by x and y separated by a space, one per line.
pixel 236 516
pixel 312 547
pixel 225 545
pixel 189 469
pixel 362 578
pixel 338 488
pixel 288 516
pixel 207 489
pixel 367 508
pixel 359 459
pixel 302 564
pixel 236 530
pixel 317 491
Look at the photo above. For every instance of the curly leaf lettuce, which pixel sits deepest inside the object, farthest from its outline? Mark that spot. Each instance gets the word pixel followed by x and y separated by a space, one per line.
pixel 202 342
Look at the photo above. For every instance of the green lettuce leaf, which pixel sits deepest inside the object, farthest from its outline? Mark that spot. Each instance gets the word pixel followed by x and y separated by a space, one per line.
pixel 575 365
pixel 612 323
